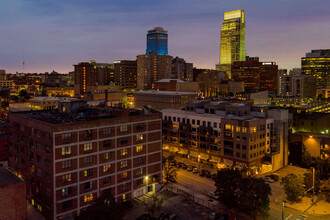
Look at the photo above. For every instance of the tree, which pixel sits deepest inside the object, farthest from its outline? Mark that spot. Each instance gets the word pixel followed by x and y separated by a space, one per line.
pixel 102 208
pixel 308 181
pixel 293 187
pixel 153 204
pixel 170 171
pixel 247 194
pixel 325 189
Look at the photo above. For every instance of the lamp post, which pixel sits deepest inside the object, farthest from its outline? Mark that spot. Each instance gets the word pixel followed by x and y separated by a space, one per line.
pixel 313 170
pixel 199 162
pixel 283 202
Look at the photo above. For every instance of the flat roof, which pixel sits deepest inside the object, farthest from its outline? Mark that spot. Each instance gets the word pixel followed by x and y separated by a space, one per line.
pixel 184 112
pixel 165 92
pixel 8 178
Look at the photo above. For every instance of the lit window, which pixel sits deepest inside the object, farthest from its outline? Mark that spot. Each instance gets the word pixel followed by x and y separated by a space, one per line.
pixel 66 191
pixel 244 129
pixel 88 197
pixel 124 152
pixel 228 127
pixel 139 137
pixel 88 146
pixel 123 128
pixel 39 208
pixel 106 168
pixel 139 171
pixel 139 148
pixel 124 175
pixel 66 150
pixel 238 129
pixel 88 172
pixel 123 164
pixel 107 155
pixel 253 129
pixel 66 178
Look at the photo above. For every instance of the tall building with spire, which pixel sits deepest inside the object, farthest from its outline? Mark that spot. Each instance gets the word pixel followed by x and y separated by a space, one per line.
pixel 232 40
pixel 157 41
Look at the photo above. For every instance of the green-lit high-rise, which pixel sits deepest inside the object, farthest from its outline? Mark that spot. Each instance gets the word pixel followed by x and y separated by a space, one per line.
pixel 232 42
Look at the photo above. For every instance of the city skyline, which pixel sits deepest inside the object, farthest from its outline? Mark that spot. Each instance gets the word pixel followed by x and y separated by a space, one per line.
pixel 55 35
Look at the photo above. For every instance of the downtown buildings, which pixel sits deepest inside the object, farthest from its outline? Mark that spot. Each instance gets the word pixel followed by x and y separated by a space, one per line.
pixel 317 64
pixel 228 134
pixel 70 157
pixel 157 41
pixel 232 42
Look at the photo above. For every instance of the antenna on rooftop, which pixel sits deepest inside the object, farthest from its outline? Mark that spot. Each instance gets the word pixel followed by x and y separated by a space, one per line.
pixel 23 64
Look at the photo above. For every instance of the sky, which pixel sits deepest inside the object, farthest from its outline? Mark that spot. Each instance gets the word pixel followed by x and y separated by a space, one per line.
pixel 53 35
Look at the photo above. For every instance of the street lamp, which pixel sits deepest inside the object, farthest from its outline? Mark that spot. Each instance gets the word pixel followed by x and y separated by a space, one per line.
pixel 199 161
pixel 313 170
pixel 283 203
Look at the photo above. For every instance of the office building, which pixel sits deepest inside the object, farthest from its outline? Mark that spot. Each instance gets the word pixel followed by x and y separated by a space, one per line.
pixel 209 81
pixel 181 69
pixel 89 75
pixel 70 157
pixel 126 73
pixel 317 64
pixel 151 68
pixel 295 84
pixel 157 41
pixel 13 196
pixel 232 40
pixel 163 99
pixel 176 85
pixel 228 134
pixel 256 75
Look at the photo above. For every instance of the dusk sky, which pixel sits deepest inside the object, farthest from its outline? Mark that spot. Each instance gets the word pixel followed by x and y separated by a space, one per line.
pixel 57 34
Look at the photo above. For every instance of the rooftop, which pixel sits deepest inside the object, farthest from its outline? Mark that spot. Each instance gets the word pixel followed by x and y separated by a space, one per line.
pixel 83 114
pixel 169 80
pixel 165 92
pixel 8 178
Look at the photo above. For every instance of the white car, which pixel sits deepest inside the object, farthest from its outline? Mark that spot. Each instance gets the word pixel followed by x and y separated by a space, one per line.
pixel 213 195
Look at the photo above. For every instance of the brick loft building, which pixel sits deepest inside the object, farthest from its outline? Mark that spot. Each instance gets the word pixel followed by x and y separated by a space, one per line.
pixel 227 134
pixel 69 159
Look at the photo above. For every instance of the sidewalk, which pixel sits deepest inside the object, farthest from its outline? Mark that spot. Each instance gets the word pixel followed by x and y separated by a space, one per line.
pixel 319 208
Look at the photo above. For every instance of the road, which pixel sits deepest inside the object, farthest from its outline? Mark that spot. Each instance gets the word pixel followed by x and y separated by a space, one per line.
pixel 200 186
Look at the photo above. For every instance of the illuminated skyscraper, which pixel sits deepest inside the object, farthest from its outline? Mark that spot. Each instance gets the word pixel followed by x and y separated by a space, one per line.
pixel 157 41
pixel 232 42
pixel 317 64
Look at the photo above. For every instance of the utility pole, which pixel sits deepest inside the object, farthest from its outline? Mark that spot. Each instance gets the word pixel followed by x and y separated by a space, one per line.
pixel 313 169
pixel 283 202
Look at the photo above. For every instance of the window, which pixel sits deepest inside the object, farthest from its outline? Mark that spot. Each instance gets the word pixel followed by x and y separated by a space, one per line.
pixel 88 197
pixel 66 164
pixel 123 128
pixel 66 191
pixel 124 187
pixel 38 146
pixel 244 147
pixel 198 122
pixel 123 152
pixel 123 164
pixel 88 146
pixel 38 172
pixel 124 175
pixel 139 160
pixel 47 149
pixel 215 125
pixel 106 168
pixel 66 177
pixel 238 129
pixel 228 127
pixel 67 204
pixel 139 137
pixel 139 182
pixel 244 156
pixel 238 154
pixel 139 126
pixel 88 185
pixel 107 155
pixel 88 172
pixel 139 171
pixel 253 129
pixel 88 159
pixel 38 158
pixel 107 143
pixel 124 140
pixel 66 137
pixel 107 180
pixel 47 163
pixel 89 133
pixel 139 148
pixel 66 150
pixel 244 129
pixel 106 130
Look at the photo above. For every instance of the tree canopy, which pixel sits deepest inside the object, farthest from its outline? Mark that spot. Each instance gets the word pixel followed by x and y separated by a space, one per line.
pixel 169 170
pixel 293 187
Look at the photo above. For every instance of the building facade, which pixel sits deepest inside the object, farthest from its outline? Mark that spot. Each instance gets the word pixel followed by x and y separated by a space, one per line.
pixel 317 64
pixel 157 41
pixel 228 134
pixel 181 69
pixel 151 68
pixel 232 40
pixel 126 73
pixel 176 85
pixel 69 158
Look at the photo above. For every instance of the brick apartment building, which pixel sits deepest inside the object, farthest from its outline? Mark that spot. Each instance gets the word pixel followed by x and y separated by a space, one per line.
pixel 69 159
pixel 228 134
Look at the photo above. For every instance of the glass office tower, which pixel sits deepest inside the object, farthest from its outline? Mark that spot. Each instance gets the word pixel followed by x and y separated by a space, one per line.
pixel 157 41
pixel 317 64
pixel 232 41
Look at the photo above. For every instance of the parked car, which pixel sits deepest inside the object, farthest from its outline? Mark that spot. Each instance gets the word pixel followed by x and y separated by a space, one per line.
pixel 163 216
pixel 183 166
pixel 145 217
pixel 269 180
pixel 274 177
pixel 189 168
pixel 171 179
pixel 195 170
pixel 178 164
pixel 202 173
pixel 213 195
pixel 173 162
pixel 214 176
pixel 208 174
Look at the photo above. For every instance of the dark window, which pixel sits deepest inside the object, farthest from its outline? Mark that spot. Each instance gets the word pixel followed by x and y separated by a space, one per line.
pixel 107 180
pixel 88 185
pixel 107 143
pixel 67 204
pixel 139 182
